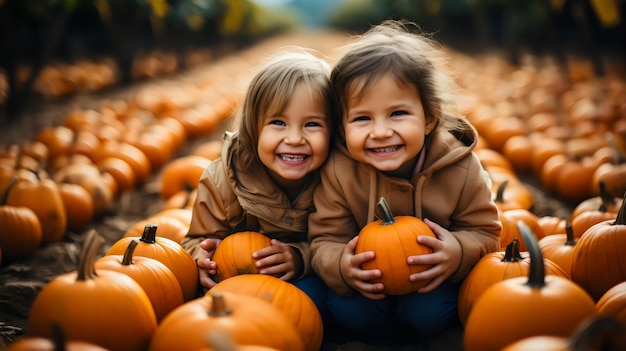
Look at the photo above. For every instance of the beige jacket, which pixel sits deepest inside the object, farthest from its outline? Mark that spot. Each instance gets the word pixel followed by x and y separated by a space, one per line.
pixel 452 189
pixel 232 199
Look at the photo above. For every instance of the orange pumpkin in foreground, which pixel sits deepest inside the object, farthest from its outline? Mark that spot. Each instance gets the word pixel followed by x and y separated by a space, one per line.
pixel 288 298
pixel 523 307
pixel 109 308
pixel 247 319
pixel 393 239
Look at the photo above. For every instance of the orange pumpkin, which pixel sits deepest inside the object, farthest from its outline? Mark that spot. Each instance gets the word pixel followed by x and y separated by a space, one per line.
pixel 559 248
pixel 20 229
pixel 233 255
pixel 158 281
pixel 182 173
pixel 166 251
pixel 44 198
pixel 509 219
pixel 495 267
pixel 542 304
pixel 296 305
pixel 247 319
pixel 393 239
pixel 106 308
pixel 598 262
pixel 585 337
pixel 78 206
pixel 57 343
pixel 613 304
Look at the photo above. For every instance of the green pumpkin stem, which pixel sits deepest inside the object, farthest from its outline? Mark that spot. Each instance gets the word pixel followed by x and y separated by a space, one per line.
pixel 127 260
pixel 149 233
pixel 588 333
pixel 511 253
pixel 218 305
pixel 91 247
pixel 385 211
pixel 500 192
pixel 537 271
pixel 621 214
pixel 569 232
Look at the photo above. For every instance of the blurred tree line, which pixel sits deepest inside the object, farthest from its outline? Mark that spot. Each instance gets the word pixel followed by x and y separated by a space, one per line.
pixel 34 33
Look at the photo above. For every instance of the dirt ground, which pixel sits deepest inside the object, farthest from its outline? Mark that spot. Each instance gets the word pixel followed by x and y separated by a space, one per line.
pixel 21 281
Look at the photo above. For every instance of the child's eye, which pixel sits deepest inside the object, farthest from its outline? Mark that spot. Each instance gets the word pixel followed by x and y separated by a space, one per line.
pixel 399 113
pixel 313 124
pixel 277 122
pixel 360 118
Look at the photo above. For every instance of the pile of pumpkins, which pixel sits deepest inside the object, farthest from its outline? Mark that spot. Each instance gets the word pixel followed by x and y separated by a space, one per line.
pixel 142 294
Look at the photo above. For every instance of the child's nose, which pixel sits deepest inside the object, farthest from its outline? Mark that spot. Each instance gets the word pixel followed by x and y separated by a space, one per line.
pixel 381 129
pixel 294 136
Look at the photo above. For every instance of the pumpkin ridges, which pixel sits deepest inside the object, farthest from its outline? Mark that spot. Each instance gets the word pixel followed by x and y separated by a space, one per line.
pixel 386 240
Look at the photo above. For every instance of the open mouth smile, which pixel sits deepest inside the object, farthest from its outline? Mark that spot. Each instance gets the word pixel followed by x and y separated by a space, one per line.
pixel 386 149
pixel 293 157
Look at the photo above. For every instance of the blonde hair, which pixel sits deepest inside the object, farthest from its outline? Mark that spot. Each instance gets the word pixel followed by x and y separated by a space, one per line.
pixel 271 89
pixel 412 57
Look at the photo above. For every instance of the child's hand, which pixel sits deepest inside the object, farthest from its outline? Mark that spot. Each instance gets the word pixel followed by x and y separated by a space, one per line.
pixel 357 278
pixel 279 260
pixel 445 259
pixel 206 266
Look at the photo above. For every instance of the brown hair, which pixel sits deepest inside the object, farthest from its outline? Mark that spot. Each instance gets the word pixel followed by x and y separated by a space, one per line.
pixel 271 89
pixel 398 48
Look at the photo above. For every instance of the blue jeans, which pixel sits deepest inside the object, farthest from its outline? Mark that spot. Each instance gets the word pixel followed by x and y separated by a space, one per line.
pixel 317 290
pixel 423 314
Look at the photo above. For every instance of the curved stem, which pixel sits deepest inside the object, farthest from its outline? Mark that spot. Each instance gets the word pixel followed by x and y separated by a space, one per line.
pixel 607 198
pixel 511 253
pixel 569 232
pixel 91 247
pixel 127 260
pixel 5 193
pixel 383 206
pixel 537 272
pixel 500 192
pixel 621 214
pixel 149 233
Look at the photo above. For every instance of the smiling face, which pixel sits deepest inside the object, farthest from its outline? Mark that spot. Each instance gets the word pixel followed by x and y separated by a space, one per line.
pixel 295 141
pixel 385 125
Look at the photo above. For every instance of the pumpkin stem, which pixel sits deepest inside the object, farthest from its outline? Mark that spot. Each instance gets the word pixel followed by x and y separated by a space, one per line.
pixel 58 337
pixel 91 247
pixel 500 192
pixel 127 260
pixel 383 206
pixel 569 232
pixel 511 253
pixel 537 271
pixel 218 305
pixel 621 214
pixel 587 334
pixel 5 193
pixel 607 198
pixel 149 233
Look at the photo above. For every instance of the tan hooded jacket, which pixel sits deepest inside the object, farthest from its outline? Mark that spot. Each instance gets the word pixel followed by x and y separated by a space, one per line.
pixel 452 189
pixel 232 198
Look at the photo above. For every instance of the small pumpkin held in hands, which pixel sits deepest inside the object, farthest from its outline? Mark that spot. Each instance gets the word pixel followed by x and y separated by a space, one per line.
pixel 393 239
pixel 234 254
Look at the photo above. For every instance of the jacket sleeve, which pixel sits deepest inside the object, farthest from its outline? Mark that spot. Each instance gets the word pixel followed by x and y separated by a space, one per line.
pixel 214 209
pixel 331 226
pixel 476 224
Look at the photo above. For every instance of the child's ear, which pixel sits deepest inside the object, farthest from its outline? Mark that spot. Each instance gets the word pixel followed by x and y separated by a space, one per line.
pixel 430 126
